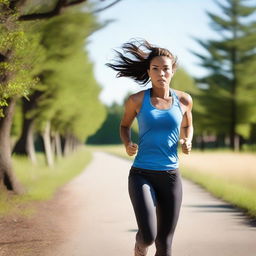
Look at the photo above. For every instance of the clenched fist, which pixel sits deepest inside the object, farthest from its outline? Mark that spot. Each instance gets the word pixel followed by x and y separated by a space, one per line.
pixel 186 145
pixel 131 148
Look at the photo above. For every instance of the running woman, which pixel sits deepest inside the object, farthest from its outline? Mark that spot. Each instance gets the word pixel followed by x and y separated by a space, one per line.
pixel 164 118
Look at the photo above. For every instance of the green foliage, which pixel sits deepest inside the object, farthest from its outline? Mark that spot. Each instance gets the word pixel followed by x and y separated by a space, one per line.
pixel 17 122
pixel 4 2
pixel 108 133
pixel 46 62
pixel 19 51
pixel 64 33
pixel 77 109
pixel 38 6
pixel 68 90
pixel 231 62
pixel 184 82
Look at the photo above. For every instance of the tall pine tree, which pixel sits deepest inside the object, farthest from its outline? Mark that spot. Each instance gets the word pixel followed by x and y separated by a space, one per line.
pixel 231 62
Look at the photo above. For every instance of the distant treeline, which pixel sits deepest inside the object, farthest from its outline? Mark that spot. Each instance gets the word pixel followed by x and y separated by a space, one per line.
pixel 108 133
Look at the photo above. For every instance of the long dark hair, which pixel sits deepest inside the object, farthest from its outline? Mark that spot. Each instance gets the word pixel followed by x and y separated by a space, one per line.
pixel 135 60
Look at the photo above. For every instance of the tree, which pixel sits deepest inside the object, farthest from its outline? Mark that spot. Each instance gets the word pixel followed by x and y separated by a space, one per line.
pixel 231 62
pixel 184 82
pixel 17 54
pixel 15 79
pixel 66 76
pixel 72 106
pixel 45 9
pixel 60 37
pixel 108 133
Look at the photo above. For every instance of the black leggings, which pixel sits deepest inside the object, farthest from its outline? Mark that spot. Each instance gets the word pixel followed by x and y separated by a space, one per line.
pixel 156 198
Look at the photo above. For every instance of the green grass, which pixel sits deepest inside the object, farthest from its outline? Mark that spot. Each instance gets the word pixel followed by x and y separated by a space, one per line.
pixel 41 181
pixel 240 192
pixel 225 188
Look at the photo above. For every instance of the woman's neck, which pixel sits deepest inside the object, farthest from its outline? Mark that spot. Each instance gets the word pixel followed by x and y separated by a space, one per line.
pixel 163 93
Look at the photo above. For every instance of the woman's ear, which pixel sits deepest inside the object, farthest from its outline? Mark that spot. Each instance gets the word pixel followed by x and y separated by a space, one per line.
pixel 148 72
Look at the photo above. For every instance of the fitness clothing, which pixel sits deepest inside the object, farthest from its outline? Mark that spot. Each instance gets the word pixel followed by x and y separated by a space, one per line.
pixel 155 185
pixel 156 198
pixel 159 131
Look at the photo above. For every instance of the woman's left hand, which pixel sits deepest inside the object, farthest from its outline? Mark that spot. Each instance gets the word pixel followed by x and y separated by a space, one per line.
pixel 186 145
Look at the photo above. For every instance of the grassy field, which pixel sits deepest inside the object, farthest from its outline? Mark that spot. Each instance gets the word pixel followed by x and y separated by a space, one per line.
pixel 227 175
pixel 40 181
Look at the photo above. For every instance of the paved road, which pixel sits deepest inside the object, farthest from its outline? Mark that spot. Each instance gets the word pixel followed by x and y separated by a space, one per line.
pixel 101 220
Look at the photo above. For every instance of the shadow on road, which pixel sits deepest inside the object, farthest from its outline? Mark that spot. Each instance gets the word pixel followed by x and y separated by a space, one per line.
pixel 132 230
pixel 238 213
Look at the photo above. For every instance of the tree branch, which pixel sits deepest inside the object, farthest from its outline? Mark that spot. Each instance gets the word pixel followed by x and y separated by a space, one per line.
pixel 16 3
pixel 46 15
pixel 57 10
pixel 106 7
pixel 74 3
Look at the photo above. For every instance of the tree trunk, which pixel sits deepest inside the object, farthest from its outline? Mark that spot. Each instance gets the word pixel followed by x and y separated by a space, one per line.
pixel 7 177
pixel 237 143
pixel 21 145
pixel 27 105
pixel 53 144
pixel 67 145
pixel 30 145
pixel 72 144
pixel 77 144
pixel 47 144
pixel 233 124
pixel 227 141
pixel 234 61
pixel 58 145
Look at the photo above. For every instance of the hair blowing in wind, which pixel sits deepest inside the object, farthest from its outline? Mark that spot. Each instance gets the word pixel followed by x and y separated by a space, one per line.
pixel 135 60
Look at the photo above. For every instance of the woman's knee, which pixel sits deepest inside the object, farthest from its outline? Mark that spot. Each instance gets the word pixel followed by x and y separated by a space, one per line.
pixel 146 239
pixel 149 240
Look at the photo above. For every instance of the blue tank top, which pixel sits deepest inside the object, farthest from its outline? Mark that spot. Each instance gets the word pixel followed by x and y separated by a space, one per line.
pixel 159 131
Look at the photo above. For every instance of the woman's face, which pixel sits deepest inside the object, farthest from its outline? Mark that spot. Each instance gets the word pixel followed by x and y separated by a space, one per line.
pixel 160 71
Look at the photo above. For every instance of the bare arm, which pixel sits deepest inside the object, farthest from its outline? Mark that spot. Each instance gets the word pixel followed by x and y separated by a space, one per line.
pixel 125 126
pixel 186 130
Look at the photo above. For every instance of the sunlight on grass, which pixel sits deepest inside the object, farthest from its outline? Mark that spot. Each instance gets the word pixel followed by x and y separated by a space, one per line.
pixel 228 175
pixel 41 181
pixel 231 191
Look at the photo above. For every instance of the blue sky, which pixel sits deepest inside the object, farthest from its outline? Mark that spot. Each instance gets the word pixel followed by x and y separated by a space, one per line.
pixel 167 23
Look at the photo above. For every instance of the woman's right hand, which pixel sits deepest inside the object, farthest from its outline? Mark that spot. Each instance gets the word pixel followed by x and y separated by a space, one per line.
pixel 131 148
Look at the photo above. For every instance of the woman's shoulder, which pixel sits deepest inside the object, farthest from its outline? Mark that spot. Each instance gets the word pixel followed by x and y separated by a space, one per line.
pixel 137 98
pixel 184 97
